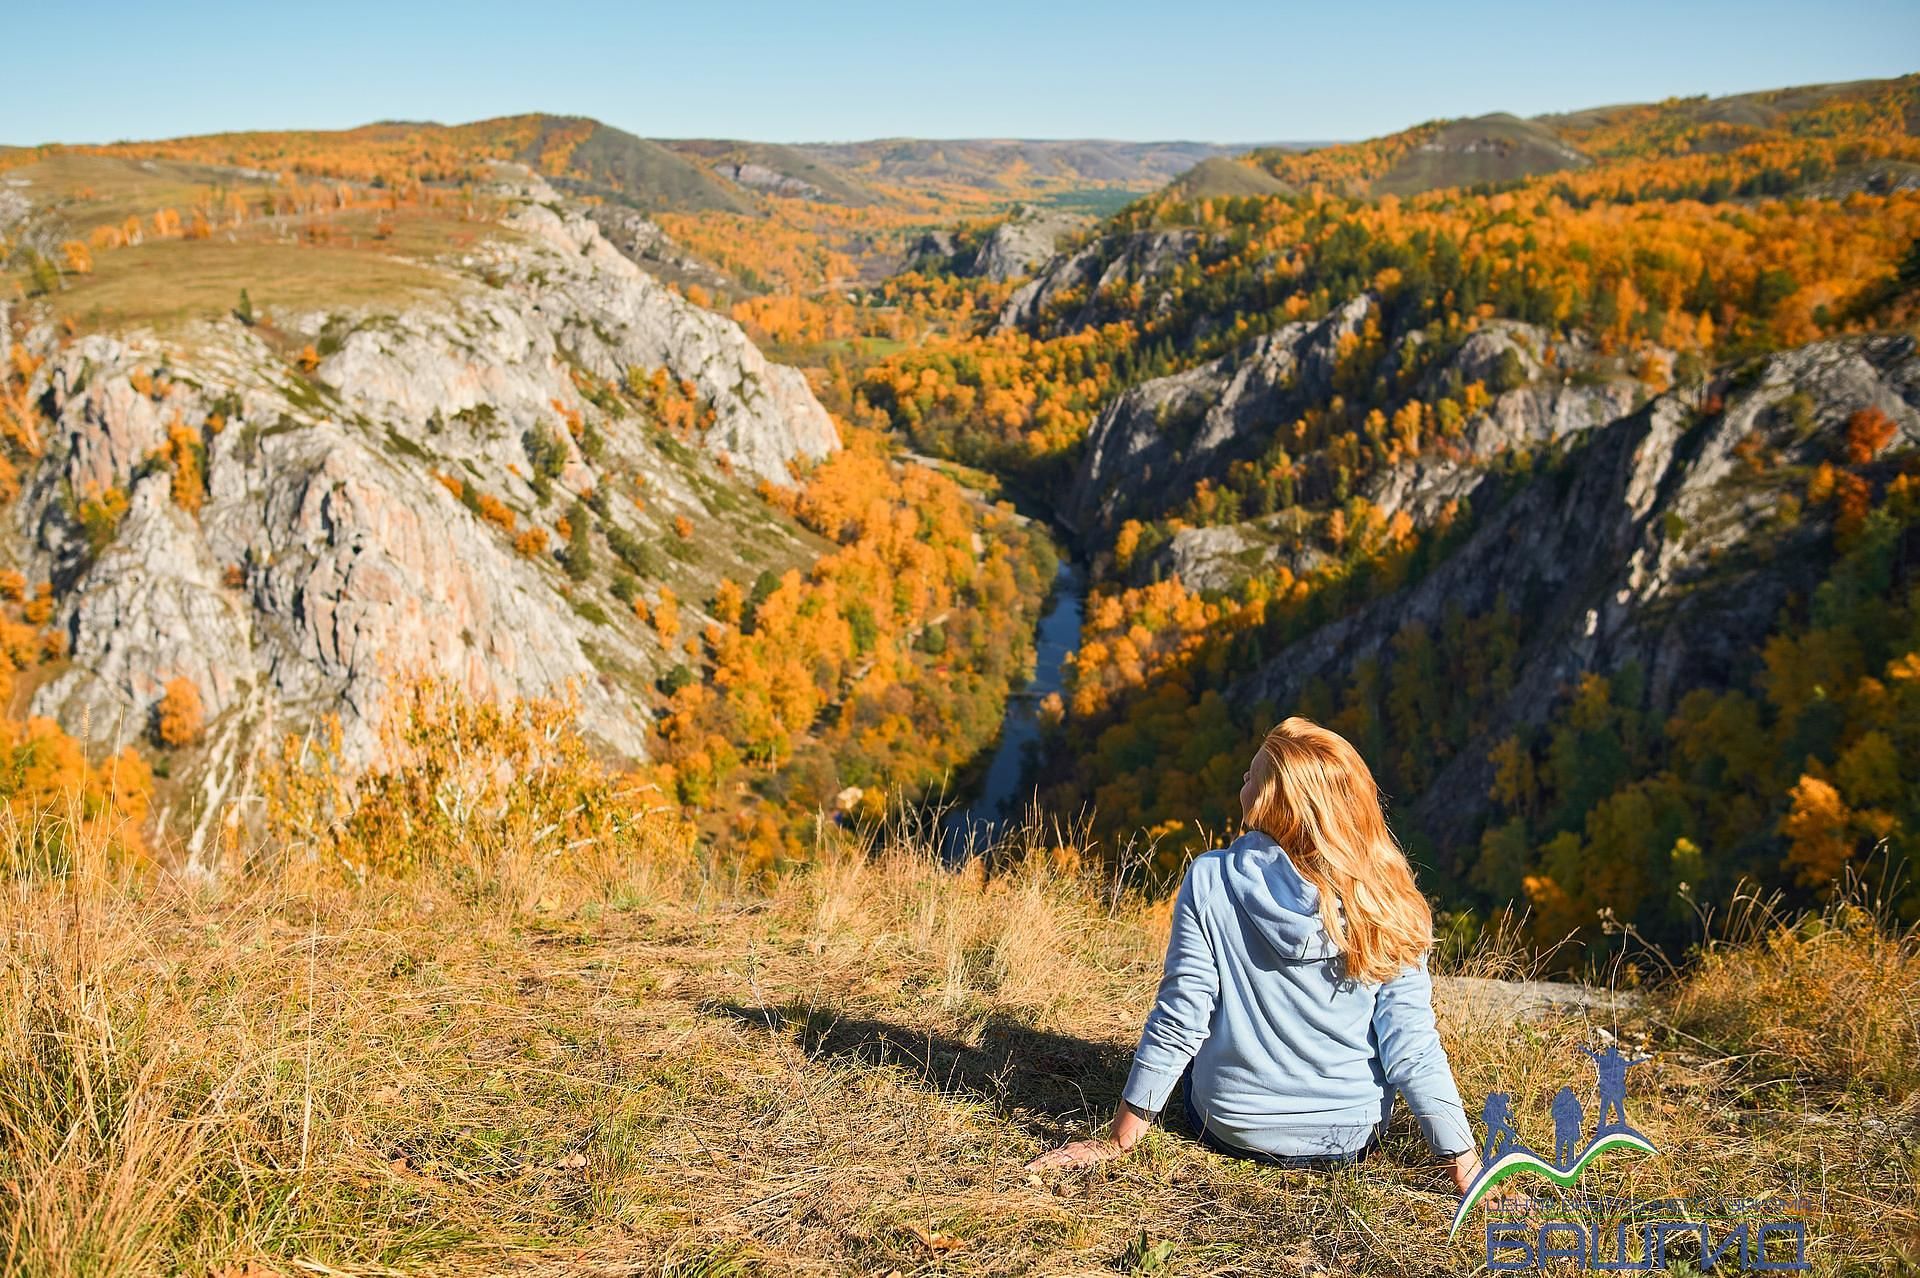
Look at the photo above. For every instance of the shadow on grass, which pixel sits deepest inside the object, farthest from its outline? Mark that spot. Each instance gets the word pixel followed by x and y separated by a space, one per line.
pixel 1053 1086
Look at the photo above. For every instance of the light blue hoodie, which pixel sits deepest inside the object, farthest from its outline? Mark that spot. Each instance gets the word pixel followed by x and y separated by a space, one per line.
pixel 1289 1057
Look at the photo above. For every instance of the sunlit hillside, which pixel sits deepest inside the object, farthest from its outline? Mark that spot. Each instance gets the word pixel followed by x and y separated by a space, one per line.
pixel 1319 447
pixel 507 1017
pixel 1288 397
pixel 579 702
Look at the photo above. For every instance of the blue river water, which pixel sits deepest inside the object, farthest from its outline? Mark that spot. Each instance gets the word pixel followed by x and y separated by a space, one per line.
pixel 1004 789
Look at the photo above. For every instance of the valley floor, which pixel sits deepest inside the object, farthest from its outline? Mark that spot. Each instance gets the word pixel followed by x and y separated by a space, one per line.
pixel 843 1072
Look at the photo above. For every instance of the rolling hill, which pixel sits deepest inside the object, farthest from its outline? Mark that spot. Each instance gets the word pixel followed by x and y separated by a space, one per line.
pixel 694 175
pixel 776 170
pixel 611 163
pixel 1606 130
pixel 1489 149
pixel 1015 166
pixel 1496 148
pixel 1499 149
pixel 1221 175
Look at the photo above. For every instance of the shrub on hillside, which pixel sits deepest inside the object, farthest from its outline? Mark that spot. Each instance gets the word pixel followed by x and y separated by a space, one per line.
pixel 53 800
pixel 496 794
pixel 579 551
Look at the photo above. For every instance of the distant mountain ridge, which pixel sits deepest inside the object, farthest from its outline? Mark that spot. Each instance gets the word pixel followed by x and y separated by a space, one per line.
pixel 719 174
pixel 1500 148
pixel 587 157
pixel 989 160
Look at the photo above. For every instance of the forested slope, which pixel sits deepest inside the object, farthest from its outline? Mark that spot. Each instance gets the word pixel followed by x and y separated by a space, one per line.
pixel 1534 481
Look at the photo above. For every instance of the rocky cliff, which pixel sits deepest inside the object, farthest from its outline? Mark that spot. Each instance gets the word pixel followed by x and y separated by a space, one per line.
pixel 1663 541
pixel 1026 241
pixel 642 241
pixel 292 541
pixel 1163 434
pixel 1105 263
pixel 1158 439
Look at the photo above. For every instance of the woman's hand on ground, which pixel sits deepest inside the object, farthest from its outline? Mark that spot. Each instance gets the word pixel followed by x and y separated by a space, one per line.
pixel 1504 1197
pixel 1128 1127
pixel 1079 1153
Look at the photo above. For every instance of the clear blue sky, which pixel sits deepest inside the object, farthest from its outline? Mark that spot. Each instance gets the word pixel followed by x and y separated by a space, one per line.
pixel 832 71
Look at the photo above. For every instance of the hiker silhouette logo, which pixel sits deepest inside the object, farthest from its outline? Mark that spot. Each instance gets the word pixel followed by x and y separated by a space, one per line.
pixel 1504 1154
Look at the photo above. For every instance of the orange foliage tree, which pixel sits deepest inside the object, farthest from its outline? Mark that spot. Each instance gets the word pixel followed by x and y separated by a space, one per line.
pixel 179 718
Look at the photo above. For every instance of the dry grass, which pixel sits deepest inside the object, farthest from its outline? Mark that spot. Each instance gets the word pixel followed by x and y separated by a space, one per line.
pixel 1831 998
pixel 553 1037
pixel 841 1073
pixel 101 190
pixel 165 284
pixel 331 259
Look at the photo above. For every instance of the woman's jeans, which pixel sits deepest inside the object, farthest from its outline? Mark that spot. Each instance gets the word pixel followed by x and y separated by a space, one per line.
pixel 1313 1162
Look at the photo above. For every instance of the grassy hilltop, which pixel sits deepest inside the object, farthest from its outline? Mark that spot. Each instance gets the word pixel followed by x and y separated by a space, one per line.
pixel 556 1039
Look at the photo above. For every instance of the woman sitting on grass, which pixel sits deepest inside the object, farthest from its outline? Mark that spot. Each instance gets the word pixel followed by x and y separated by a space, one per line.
pixel 1296 999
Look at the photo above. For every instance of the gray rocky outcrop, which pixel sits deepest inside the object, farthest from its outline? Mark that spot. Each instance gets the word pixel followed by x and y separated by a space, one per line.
pixel 1221 556
pixel 1167 434
pixel 154 609
pixel 317 555
pixel 1023 243
pixel 1164 434
pixel 929 250
pixel 649 247
pixel 1639 553
pixel 613 316
pixel 1210 558
pixel 761 178
pixel 1107 262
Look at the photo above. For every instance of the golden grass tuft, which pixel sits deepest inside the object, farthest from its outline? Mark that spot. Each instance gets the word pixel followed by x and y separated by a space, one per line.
pixel 95 1144
pixel 1830 1000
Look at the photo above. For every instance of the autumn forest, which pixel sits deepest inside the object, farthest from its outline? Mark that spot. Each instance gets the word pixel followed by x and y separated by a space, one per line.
pixel 1567 465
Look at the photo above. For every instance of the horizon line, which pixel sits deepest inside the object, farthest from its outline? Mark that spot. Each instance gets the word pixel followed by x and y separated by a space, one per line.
pixel 989 137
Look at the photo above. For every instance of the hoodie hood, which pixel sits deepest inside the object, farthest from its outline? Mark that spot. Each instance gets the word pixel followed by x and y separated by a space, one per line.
pixel 1274 897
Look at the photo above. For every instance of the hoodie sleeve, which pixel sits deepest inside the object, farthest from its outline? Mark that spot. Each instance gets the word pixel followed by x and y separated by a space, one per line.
pixel 1182 1011
pixel 1416 1064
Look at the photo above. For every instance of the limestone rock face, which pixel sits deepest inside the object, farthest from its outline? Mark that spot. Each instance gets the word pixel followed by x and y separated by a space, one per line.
pixel 320 567
pixel 1105 263
pixel 154 610
pixel 573 297
pixel 643 242
pixel 1480 357
pixel 1167 434
pixel 1023 243
pixel 1164 434
pixel 110 429
pixel 761 178
pixel 1527 417
pixel 929 250
pixel 1221 556
pixel 1631 556
pixel 317 552
pixel 613 316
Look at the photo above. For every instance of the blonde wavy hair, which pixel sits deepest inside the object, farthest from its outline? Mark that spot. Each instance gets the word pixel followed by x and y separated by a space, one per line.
pixel 1315 796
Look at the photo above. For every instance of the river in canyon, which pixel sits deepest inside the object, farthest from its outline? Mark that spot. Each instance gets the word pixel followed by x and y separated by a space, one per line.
pixel 1005 787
